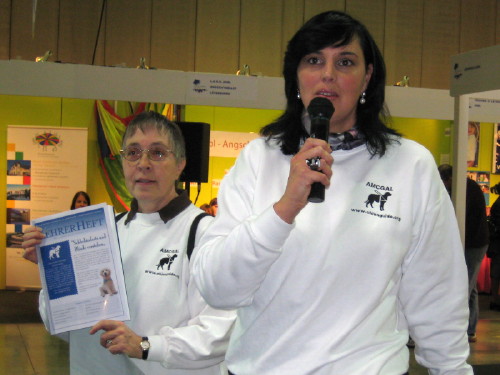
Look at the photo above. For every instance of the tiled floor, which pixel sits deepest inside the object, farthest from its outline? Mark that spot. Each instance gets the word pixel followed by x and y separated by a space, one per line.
pixel 27 349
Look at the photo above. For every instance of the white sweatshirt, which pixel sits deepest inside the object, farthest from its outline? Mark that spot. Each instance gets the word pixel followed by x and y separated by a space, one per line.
pixel 339 291
pixel 187 336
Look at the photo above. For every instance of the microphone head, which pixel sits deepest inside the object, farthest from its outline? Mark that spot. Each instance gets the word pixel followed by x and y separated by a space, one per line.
pixel 320 107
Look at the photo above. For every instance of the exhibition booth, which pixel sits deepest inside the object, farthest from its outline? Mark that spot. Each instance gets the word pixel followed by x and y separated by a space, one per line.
pixel 235 106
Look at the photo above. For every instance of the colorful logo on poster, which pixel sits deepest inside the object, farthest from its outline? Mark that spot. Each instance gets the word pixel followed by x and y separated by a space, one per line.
pixel 48 139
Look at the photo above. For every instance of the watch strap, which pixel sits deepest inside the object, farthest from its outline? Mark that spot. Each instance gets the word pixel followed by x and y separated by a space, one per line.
pixel 145 349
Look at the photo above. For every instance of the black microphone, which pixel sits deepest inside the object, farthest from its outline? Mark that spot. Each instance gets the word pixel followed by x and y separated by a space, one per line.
pixel 320 111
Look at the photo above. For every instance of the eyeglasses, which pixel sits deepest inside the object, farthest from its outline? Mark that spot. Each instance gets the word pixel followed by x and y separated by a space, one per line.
pixel 156 153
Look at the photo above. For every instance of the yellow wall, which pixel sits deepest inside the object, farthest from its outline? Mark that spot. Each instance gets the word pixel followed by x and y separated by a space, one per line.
pixel 434 134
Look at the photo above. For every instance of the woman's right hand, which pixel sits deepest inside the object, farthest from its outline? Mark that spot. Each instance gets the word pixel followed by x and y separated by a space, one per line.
pixel 32 236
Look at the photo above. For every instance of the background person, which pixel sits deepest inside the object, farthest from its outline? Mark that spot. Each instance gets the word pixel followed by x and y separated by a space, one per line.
pixel 206 207
pixel 476 240
pixel 81 199
pixel 494 251
pixel 214 206
pixel 184 335
pixel 336 287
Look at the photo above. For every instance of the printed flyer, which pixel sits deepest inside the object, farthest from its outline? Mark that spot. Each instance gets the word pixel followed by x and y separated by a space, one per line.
pixel 81 269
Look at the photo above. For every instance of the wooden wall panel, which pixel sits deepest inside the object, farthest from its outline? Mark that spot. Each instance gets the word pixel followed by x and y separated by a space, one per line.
pixel 477 24
pixel 293 19
pixel 372 15
pixel 26 45
pixel 78 28
pixel 4 30
pixel 217 36
pixel 260 38
pixel 441 40
pixel 313 7
pixel 417 37
pixel 173 34
pixel 403 40
pixel 128 32
pixel 497 24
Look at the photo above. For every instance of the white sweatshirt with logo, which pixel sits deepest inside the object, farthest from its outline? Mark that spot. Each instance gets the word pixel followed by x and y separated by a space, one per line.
pixel 339 291
pixel 187 336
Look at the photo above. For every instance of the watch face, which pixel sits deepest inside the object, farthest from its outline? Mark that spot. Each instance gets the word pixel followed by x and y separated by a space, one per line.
pixel 145 345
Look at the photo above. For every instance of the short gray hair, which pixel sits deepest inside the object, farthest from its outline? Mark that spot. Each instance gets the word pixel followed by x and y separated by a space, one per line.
pixel 153 120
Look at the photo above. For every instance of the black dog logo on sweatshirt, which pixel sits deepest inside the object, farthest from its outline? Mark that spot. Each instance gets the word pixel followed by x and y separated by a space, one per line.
pixel 378 197
pixel 168 260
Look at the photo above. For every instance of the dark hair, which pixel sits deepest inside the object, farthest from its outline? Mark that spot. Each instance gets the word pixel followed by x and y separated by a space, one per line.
pixel 150 119
pixel 85 195
pixel 323 30
pixel 445 171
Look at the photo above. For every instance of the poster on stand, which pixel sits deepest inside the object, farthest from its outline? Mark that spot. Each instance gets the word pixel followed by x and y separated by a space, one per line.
pixel 473 144
pixel 483 180
pixel 495 168
pixel 46 166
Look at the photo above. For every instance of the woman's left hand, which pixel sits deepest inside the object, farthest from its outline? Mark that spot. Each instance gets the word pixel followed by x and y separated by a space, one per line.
pixel 118 338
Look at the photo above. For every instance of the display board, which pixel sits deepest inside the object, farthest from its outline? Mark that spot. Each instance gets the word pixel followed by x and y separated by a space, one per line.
pixel 45 168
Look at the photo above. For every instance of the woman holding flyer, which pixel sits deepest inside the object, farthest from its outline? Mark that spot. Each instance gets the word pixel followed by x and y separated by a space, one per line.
pixel 172 330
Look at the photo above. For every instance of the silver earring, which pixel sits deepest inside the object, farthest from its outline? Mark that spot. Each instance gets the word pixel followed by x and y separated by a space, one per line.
pixel 298 94
pixel 362 100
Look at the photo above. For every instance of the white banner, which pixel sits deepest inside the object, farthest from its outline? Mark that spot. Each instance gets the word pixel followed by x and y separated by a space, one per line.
pixel 45 168
pixel 203 87
pixel 229 144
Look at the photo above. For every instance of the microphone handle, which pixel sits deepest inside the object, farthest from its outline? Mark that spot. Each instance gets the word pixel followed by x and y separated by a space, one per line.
pixel 317 193
pixel 319 129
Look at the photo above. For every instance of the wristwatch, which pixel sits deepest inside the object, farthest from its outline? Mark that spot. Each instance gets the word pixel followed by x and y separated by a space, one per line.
pixel 145 345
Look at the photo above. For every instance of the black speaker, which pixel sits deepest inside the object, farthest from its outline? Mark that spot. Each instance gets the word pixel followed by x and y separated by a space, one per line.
pixel 197 138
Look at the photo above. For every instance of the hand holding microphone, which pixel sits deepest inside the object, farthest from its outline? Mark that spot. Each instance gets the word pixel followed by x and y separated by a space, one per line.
pixel 299 190
pixel 320 111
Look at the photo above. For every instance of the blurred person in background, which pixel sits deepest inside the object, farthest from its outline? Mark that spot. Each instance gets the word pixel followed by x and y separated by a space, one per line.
pixel 80 199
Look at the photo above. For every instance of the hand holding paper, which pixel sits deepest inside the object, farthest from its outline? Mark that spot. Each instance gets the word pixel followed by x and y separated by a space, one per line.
pixel 80 266
pixel 118 338
pixel 32 237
